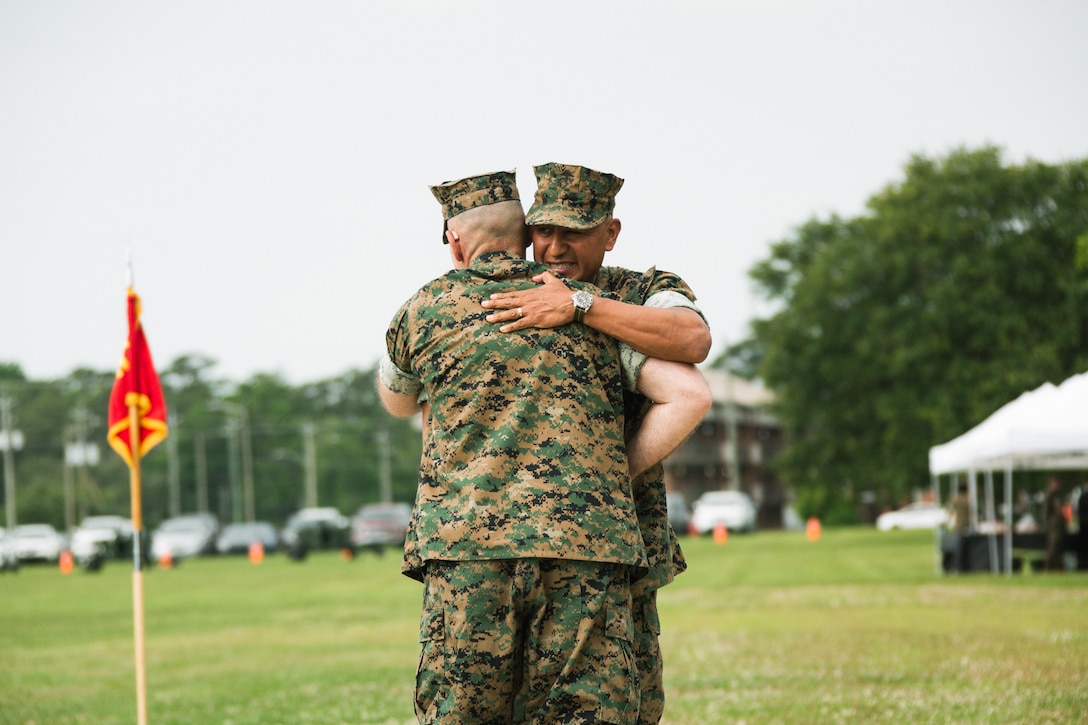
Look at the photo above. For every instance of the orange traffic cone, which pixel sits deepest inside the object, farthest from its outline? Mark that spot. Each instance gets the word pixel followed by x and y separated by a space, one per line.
pixel 256 552
pixel 812 529
pixel 66 562
pixel 721 534
pixel 166 561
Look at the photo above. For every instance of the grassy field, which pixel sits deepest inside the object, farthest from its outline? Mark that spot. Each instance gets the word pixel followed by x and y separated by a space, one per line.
pixel 767 628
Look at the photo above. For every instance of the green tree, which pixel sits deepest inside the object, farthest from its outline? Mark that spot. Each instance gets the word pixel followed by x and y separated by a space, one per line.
pixel 11 372
pixel 900 329
pixel 355 443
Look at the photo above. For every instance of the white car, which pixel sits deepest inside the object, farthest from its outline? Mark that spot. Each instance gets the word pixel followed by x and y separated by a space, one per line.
pixel 9 559
pixel 918 515
pixel 109 536
pixel 732 509
pixel 38 542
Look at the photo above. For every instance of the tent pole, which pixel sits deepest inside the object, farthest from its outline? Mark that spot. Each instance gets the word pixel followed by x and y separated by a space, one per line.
pixel 938 563
pixel 1008 518
pixel 991 539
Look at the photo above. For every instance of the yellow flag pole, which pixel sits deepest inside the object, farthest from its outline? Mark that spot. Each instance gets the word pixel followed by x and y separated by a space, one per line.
pixel 137 562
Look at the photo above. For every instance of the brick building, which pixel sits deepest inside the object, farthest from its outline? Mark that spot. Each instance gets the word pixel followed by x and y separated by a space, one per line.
pixel 732 448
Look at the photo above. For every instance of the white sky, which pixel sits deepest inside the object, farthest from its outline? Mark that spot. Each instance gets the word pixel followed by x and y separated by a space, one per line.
pixel 268 161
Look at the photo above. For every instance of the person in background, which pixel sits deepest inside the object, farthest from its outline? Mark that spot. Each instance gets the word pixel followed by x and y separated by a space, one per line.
pixel 1082 528
pixel 959 523
pixel 1056 529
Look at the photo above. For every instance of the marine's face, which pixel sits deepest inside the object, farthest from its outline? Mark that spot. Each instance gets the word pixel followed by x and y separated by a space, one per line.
pixel 574 253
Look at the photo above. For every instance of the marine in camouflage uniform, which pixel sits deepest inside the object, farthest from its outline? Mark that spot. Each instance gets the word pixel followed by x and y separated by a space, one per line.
pixel 524 516
pixel 578 198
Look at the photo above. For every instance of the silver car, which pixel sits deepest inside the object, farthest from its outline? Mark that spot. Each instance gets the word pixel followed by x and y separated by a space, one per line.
pixel 184 536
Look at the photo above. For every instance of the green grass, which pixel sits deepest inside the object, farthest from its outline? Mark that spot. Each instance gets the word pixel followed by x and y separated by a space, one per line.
pixel 767 628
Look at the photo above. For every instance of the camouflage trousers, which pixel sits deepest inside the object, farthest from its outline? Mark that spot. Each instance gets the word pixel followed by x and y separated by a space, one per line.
pixel 647 650
pixel 538 641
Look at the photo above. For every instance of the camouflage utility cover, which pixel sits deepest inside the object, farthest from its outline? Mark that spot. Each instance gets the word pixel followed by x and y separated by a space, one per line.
pixel 663 552
pixel 525 456
pixel 572 197
pixel 457 197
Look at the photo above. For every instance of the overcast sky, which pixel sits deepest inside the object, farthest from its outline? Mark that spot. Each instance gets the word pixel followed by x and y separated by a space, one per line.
pixel 267 162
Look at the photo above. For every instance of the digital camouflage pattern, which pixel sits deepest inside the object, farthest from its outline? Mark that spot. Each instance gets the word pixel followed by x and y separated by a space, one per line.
pixel 646 648
pixel 573 197
pixel 525 456
pixel 526 641
pixel 457 197
pixel 663 553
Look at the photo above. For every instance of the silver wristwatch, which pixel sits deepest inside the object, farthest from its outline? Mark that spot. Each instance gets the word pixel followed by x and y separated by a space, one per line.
pixel 582 302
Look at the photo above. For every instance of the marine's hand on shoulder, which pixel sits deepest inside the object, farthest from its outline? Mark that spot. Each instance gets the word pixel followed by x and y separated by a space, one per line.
pixel 548 305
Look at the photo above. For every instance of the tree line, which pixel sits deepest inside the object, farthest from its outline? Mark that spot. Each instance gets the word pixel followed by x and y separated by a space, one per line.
pixel 964 284
pixel 223 435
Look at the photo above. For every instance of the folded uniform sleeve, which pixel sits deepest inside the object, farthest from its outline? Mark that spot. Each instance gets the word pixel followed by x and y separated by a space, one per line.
pixel 397 380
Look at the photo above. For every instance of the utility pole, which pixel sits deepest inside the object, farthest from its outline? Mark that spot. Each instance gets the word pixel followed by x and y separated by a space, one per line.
pixel 69 485
pixel 247 467
pixel 385 476
pixel 173 474
pixel 10 441
pixel 200 463
pixel 309 460
pixel 232 469
pixel 238 433
pixel 78 454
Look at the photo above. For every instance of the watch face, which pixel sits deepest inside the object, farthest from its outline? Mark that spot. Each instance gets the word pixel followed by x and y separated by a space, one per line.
pixel 582 299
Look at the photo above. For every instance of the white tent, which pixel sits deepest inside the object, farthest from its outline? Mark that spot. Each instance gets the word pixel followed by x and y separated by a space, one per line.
pixel 1043 429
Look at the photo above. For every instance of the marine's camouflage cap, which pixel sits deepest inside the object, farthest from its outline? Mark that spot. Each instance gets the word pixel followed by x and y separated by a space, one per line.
pixel 459 196
pixel 572 197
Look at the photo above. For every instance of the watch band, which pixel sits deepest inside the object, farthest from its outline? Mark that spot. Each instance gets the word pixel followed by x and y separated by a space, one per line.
pixel 582 302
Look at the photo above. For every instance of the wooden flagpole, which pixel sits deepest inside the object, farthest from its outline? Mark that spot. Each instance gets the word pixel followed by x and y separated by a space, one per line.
pixel 135 426
pixel 137 562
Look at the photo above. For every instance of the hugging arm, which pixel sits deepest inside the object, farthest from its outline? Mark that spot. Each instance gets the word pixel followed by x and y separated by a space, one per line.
pixel 681 398
pixel 669 333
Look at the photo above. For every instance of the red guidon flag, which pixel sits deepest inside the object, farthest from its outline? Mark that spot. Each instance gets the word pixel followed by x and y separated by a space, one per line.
pixel 136 384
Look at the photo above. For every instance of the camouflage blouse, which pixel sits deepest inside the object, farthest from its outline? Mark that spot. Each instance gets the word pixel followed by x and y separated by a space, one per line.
pixel 525 456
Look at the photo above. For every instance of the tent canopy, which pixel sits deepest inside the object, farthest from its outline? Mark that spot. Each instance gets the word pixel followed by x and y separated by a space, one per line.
pixel 1043 429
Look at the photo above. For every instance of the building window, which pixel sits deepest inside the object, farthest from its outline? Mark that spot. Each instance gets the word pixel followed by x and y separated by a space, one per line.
pixel 755 454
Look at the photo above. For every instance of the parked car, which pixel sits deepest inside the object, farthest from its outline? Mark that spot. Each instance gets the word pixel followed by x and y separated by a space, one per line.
pixel 918 515
pixel 378 525
pixel 733 509
pixel 679 512
pixel 38 542
pixel 107 536
pixel 9 558
pixel 185 536
pixel 312 529
pixel 237 538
